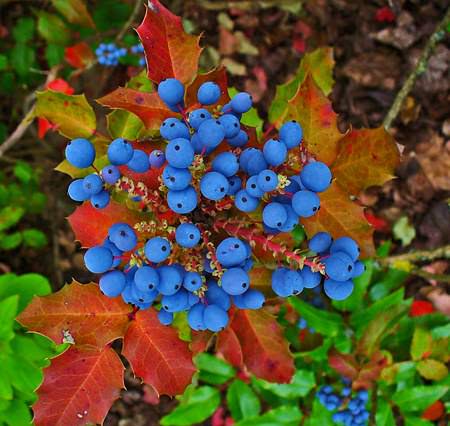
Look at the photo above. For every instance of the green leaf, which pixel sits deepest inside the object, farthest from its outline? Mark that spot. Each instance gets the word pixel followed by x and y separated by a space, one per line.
pixel 23 30
pixel 17 414
pixel 6 390
pixel 327 323
pixel 181 324
pixel 10 241
pixel 24 375
pixel 25 286
pixel 418 398
pixel 34 238
pixel 9 216
pixel 421 343
pixel 8 311
pixel 281 416
pixel 431 369
pixel 108 15
pixel 384 415
pixel 319 416
pixel 22 58
pixel 441 332
pixel 242 401
pixel 52 28
pixel 355 300
pixel 391 280
pixel 74 11
pixel 24 172
pixel 404 231
pixel 124 124
pixel 54 54
pixel 302 383
pixel 3 65
pixel 199 405
pixel 214 370
pixel 416 421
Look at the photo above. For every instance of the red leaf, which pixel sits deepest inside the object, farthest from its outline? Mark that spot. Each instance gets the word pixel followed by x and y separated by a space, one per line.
pixel 229 347
pixel 265 350
pixel 147 106
pixel 219 76
pixel 79 55
pixel 79 387
pixel 60 85
pixel 169 50
pixel 421 307
pixel 43 127
pixel 78 310
pixel 200 341
pixel 91 225
pixel 157 354
pixel 434 412
pixel 344 364
pixel 370 372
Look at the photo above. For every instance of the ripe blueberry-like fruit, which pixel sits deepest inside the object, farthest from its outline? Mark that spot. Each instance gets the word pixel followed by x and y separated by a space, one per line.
pixel 157 249
pixel 208 93
pixel 310 279
pixel 280 286
pixel 195 317
pixel 267 180
pixel 80 153
pixel 253 188
pixel 179 153
pixel 139 162
pixel 305 203
pixel 214 186
pixel 338 290
pixel 100 200
pixel 245 202
pixel 119 152
pixel 146 278
pixel 112 283
pixel 274 215
pixel 123 236
pixel 165 318
pixel 176 179
pixel 320 242
pixel 98 259
pixel 226 163
pixel 231 125
pixel 241 102
pixel 192 281
pixel 187 235
pixel 316 176
pixel 182 202
pixel 76 191
pixel 211 133
pixel 198 116
pixel 275 152
pixel 346 245
pixel 239 140
pixel 171 91
pixel 291 134
pixel 215 318
pixel 339 266
pixel 110 174
pixel 235 281
pixel 172 128
pixel 235 183
pixel 156 158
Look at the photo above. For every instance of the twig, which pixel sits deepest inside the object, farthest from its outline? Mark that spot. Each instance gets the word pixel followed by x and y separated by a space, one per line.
pixel 420 68
pixel 429 276
pixel 417 256
pixel 133 16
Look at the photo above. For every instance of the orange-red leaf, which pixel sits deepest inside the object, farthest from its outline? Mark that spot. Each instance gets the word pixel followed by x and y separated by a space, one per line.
pixel 366 157
pixel 229 348
pixel 219 76
pixel 91 225
pixel 77 311
pixel 313 110
pixel 147 106
pixel 340 216
pixel 79 55
pixel 199 341
pixel 344 364
pixel 79 387
pixel 157 355
pixel 265 350
pixel 169 50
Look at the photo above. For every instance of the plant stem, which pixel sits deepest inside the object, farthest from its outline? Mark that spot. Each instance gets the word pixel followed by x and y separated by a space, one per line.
pixel 417 256
pixel 419 69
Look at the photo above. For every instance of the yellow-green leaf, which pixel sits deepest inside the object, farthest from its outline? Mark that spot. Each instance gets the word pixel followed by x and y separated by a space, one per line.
pixel 431 369
pixel 74 11
pixel 421 343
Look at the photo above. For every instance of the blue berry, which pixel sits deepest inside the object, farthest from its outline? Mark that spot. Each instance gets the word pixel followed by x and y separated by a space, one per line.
pixel 245 202
pixel 339 266
pixel 280 286
pixel 256 163
pixel 143 299
pixel 123 236
pixel 226 163
pixel 320 242
pixel 175 302
pixel 112 283
pixel 156 158
pixel 179 153
pixel 176 179
pixel 170 280
pixel 267 180
pixel 235 184
pixel 182 202
pixel 215 318
pixel 275 152
pixel 274 215
pixel 208 93
pixel 76 191
pixel 211 133
pixel 239 140
pixel 139 162
pixel 98 259
pixel 244 158
pixel 173 128
pixel 231 125
pixel 253 299
pixel 316 176
pixel 187 235
pixel 294 279
pixel 214 186
pixel 119 152
pixel 217 296
pixel 165 318
pixel 291 134
pixel 195 317
pixel 235 281
pixel 146 278
pixel 291 221
pixel 171 91
pixel 157 249
pixel 358 269
pixel 117 254
pixel 80 153
pixel 192 281
pixel 241 102
pixel 346 245
pixel 338 290
pixel 226 109
pixel 305 203
pixel 100 200
pixel 110 174
pixel 198 116
pixel 253 188
pixel 231 252
pixel 310 279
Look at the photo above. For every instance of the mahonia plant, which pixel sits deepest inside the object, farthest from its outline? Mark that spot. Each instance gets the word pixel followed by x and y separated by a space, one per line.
pixel 188 215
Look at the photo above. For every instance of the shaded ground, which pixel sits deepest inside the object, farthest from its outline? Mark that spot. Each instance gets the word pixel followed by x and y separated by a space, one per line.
pixel 374 52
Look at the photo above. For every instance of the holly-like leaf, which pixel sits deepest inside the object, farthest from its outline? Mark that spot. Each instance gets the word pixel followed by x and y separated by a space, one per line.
pixel 344 364
pixel 313 110
pixel 219 76
pixel 266 352
pixel 340 216
pixel 229 348
pixel 366 157
pixel 319 64
pixel 421 344
pixel 74 11
pixel 79 55
pixel 169 50
pixel 79 387
pixel 147 106
pixel 91 225
pixel 157 355
pixel 71 114
pixel 124 124
pixel 79 313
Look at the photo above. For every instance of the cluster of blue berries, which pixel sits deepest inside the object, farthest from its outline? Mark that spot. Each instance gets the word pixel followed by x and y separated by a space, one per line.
pixel 150 278
pixel 108 54
pixel 350 412
pixel 96 186
pixel 341 265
